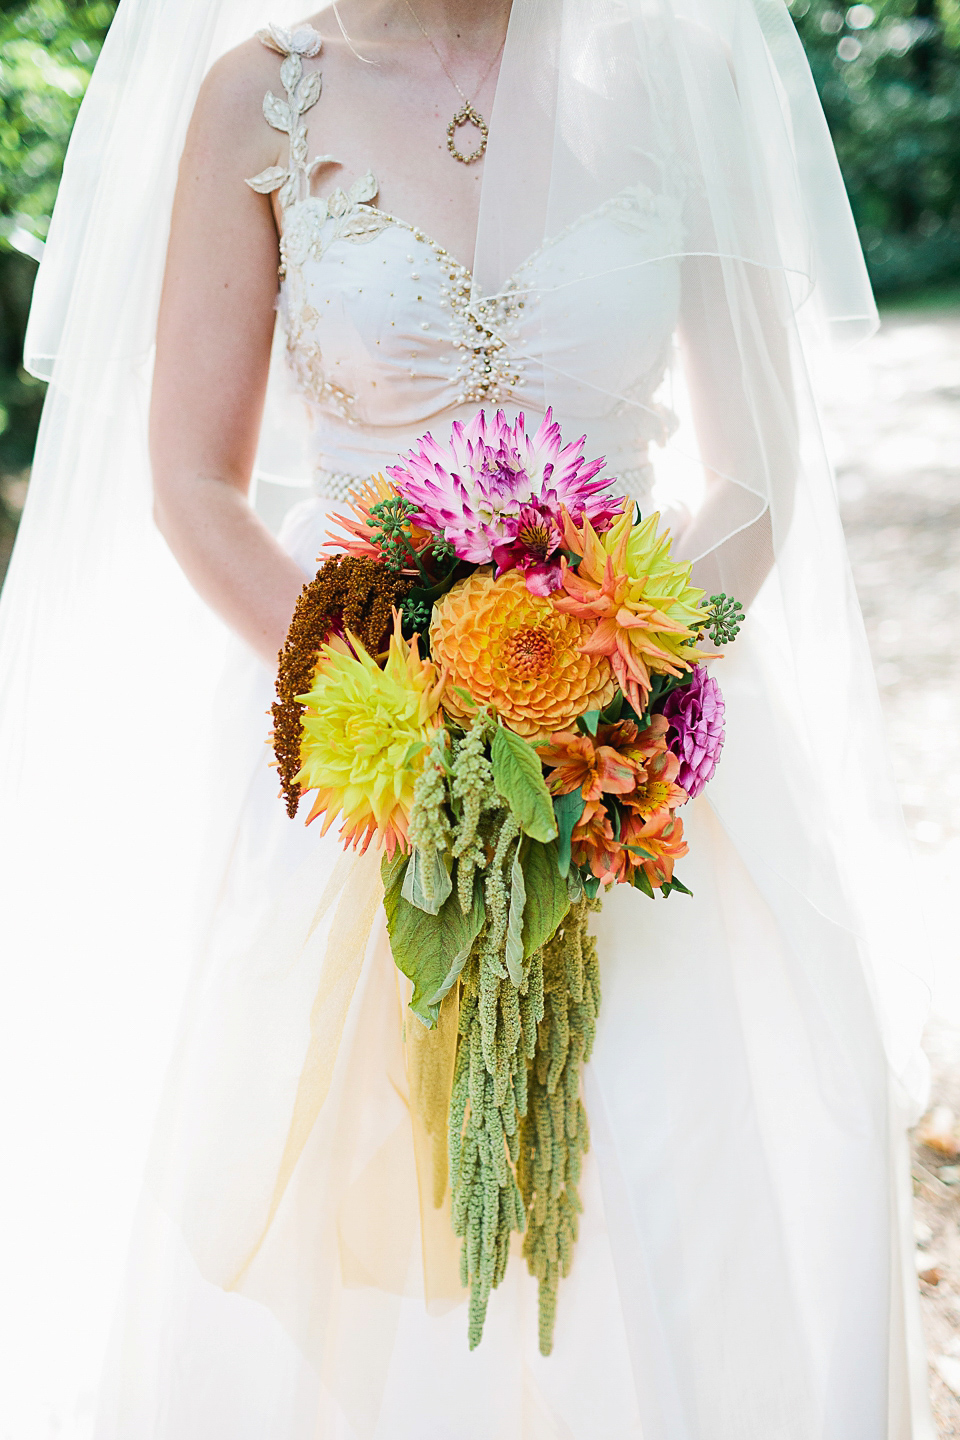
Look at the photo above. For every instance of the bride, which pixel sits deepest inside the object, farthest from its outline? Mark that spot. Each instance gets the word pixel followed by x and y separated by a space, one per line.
pixel 629 212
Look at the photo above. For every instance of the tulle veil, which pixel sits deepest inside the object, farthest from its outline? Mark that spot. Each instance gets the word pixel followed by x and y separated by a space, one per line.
pixel 116 799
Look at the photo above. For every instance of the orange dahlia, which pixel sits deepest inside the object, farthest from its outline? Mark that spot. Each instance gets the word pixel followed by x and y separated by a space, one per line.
pixel 516 652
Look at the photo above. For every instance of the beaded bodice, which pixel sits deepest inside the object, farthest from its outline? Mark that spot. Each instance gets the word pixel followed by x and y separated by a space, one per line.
pixel 387 335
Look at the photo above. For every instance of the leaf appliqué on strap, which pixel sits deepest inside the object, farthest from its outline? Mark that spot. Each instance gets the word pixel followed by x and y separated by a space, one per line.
pixel 276 113
pixel 308 93
pixel 303 92
pixel 268 180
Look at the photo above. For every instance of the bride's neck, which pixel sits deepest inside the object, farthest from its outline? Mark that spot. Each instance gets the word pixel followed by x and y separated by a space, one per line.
pixel 452 18
pixel 476 22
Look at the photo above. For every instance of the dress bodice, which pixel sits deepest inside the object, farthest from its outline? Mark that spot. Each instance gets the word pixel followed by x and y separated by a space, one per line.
pixel 387 335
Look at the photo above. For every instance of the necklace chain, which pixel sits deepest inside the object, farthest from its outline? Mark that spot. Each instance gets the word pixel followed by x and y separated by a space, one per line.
pixel 469 114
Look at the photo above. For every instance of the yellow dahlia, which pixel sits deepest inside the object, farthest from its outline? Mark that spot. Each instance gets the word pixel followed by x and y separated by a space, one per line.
pixel 360 728
pixel 516 652
pixel 643 602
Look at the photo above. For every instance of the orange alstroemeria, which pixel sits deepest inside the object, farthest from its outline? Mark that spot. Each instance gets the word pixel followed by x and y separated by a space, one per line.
pixel 657 790
pixel 579 763
pixel 593 844
pixel 645 607
pixel 661 840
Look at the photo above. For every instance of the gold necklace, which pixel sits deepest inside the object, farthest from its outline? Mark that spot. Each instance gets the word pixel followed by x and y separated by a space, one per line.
pixel 468 114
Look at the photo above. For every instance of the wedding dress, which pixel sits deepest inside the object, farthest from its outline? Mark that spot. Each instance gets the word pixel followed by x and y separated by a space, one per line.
pixel 658 186
pixel 739 1273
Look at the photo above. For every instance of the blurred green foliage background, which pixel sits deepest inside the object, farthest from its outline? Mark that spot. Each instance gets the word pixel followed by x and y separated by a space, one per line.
pixel 888 75
pixel 47 50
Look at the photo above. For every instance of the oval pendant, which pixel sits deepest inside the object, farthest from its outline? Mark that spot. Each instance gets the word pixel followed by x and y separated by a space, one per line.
pixel 467 116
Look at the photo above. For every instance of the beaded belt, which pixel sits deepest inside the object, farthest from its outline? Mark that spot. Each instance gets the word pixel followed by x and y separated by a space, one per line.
pixel 336 484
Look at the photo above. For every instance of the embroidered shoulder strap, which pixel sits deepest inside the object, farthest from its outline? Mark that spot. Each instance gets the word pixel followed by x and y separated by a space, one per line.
pixel 303 92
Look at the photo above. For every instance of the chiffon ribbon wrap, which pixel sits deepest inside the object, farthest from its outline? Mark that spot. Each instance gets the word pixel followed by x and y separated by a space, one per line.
pixel 337 938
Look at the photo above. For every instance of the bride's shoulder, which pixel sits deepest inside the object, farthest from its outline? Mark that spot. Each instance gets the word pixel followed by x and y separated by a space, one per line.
pixel 243 74
pixel 228 114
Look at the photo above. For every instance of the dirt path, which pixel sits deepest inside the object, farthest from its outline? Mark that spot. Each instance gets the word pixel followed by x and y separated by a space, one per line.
pixel 892 415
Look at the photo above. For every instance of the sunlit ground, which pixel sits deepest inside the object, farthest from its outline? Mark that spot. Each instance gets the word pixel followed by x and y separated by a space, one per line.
pixel 892 412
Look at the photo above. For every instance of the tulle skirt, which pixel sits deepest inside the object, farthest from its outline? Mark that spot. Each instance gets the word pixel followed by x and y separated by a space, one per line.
pixel 744 1264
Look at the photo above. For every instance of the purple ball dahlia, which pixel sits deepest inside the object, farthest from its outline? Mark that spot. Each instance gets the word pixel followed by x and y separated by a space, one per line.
pixel 695 713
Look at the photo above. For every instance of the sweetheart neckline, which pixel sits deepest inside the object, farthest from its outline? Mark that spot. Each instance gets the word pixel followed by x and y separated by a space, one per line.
pixel 441 252
pixel 293 181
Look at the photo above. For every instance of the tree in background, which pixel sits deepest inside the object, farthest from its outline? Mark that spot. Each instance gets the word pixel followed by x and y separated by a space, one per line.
pixel 888 74
pixel 47 50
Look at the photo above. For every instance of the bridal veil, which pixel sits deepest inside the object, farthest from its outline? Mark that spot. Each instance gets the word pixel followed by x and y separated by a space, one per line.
pixel 115 802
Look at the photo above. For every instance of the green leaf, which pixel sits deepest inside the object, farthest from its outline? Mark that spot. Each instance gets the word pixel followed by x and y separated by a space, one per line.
pixel 589 721
pixel 431 950
pixel 547 895
pixel 616 817
pixel 427 594
pixel 567 809
pixel 414 881
pixel 574 886
pixel 392 871
pixel 676 884
pixel 514 952
pixel 465 696
pixel 414 750
pixel 662 685
pixel 591 884
pixel 642 882
pixel 611 713
pixel 518 776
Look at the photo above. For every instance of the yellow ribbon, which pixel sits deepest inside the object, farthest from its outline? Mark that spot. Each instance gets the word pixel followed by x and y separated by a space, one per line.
pixel 356 879
pixel 372 1253
pixel 430 1056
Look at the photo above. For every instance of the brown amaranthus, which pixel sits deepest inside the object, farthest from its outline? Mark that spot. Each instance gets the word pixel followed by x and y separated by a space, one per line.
pixel 349 592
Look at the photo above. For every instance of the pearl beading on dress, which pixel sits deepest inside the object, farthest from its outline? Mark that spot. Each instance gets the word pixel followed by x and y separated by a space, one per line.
pixel 635 483
pixel 334 485
pixel 312 225
pixel 397 342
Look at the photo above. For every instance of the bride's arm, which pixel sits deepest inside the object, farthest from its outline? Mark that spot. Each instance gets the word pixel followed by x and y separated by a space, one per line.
pixel 735 350
pixel 213 349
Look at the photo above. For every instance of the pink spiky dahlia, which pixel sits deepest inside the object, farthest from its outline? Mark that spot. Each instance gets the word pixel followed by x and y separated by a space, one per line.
pixel 497 493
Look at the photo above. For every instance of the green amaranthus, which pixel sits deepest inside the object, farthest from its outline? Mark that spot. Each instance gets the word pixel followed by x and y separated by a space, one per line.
pixel 480 903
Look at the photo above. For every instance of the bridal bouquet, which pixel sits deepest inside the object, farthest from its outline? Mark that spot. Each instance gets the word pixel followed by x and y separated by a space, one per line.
pixel 496 677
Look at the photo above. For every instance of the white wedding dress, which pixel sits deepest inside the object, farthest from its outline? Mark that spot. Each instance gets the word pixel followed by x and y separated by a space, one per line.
pixel 740 1268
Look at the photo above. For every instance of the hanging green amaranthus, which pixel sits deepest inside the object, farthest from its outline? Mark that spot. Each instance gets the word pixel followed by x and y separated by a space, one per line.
pixel 554 1135
pixel 480 903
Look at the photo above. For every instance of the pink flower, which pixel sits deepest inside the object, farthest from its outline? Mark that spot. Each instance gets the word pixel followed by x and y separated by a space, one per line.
pixel 537 536
pixel 494 487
